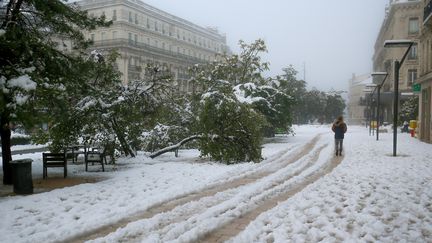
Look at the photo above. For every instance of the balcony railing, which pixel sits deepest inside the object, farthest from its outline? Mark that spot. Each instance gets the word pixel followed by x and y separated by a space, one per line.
pixel 121 42
pixel 427 12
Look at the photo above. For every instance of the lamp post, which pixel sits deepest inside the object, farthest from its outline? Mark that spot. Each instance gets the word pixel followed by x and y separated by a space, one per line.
pixel 378 87
pixel 372 108
pixel 397 64
pixel 368 92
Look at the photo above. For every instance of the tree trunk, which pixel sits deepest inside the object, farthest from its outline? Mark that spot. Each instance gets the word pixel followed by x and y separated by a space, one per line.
pixel 5 134
pixel 174 147
pixel 125 146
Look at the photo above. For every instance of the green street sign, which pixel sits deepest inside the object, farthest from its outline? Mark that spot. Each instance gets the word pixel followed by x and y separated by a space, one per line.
pixel 416 87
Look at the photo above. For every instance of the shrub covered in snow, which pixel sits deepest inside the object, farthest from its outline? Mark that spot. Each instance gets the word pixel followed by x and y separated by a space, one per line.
pixel 231 129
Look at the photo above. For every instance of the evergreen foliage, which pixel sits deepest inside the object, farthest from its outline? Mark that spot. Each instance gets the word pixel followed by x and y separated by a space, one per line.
pixel 234 103
pixel 34 74
pixel 409 110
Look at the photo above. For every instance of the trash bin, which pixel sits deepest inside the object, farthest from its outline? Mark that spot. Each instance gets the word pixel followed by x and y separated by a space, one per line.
pixel 22 176
pixel 413 126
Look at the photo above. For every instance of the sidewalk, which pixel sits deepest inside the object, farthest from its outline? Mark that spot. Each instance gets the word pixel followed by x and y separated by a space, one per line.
pixel 371 196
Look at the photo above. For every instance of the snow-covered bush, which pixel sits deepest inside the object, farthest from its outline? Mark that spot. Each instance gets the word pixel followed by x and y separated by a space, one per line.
pixel 231 129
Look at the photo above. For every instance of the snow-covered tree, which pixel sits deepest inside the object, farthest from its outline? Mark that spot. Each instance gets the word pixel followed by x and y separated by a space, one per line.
pixel 231 130
pixel 232 104
pixel 125 111
pixel 34 73
pixel 409 110
pixel 228 103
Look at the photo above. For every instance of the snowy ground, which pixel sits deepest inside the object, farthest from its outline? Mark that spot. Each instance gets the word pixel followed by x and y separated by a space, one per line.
pixel 370 196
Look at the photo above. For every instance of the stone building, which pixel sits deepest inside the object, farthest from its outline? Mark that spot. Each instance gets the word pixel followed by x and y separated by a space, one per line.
pixel 356 109
pixel 425 76
pixel 143 34
pixel 402 21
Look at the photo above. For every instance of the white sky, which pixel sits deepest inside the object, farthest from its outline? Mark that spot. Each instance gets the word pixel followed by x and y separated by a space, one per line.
pixel 334 38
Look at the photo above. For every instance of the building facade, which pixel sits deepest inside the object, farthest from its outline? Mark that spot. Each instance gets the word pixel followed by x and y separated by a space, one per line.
pixel 425 79
pixel 356 110
pixel 145 35
pixel 402 21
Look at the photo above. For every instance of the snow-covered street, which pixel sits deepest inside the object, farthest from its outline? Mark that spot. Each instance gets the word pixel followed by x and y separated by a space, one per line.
pixel 301 192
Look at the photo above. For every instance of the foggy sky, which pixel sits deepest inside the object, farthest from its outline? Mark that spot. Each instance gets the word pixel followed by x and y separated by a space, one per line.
pixel 335 38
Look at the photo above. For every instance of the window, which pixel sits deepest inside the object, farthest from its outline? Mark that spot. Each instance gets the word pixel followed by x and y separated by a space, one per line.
pixel 114 34
pixel 92 37
pixel 136 39
pixel 130 17
pixel 114 16
pixel 148 23
pixel 156 26
pixel 130 38
pixel 103 14
pixel 102 36
pixel 136 18
pixel 412 76
pixel 413 53
pixel 413 26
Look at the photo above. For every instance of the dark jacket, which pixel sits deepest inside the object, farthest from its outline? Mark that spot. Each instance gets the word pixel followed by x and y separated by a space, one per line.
pixel 339 128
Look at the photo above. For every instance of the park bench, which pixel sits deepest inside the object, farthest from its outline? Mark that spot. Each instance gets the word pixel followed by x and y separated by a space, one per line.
pixel 54 160
pixel 95 156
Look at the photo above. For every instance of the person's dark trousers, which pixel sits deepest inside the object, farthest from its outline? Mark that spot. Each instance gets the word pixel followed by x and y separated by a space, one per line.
pixel 338 146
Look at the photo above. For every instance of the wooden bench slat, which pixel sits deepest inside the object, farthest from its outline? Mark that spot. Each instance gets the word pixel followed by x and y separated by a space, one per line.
pixel 56 165
pixel 54 160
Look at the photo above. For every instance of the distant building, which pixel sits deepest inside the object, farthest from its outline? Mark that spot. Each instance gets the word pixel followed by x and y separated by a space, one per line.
pixel 425 79
pixel 357 112
pixel 143 34
pixel 402 21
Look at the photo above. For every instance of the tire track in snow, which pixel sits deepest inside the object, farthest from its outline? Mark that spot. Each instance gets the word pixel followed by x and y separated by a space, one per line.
pixel 160 225
pixel 268 167
pixel 237 225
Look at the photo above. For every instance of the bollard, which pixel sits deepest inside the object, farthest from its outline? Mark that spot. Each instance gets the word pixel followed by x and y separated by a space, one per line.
pixel 22 176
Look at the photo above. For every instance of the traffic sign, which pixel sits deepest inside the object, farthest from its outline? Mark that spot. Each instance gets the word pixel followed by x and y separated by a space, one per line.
pixel 416 87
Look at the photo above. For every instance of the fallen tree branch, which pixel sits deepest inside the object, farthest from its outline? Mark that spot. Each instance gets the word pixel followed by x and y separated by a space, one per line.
pixel 175 146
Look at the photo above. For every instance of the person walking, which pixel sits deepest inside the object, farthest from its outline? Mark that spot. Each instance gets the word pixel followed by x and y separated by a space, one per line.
pixel 405 127
pixel 339 128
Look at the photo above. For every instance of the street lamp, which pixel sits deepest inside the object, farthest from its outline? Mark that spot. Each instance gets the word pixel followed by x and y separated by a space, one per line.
pixel 369 92
pixel 379 86
pixel 390 44
pixel 372 108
